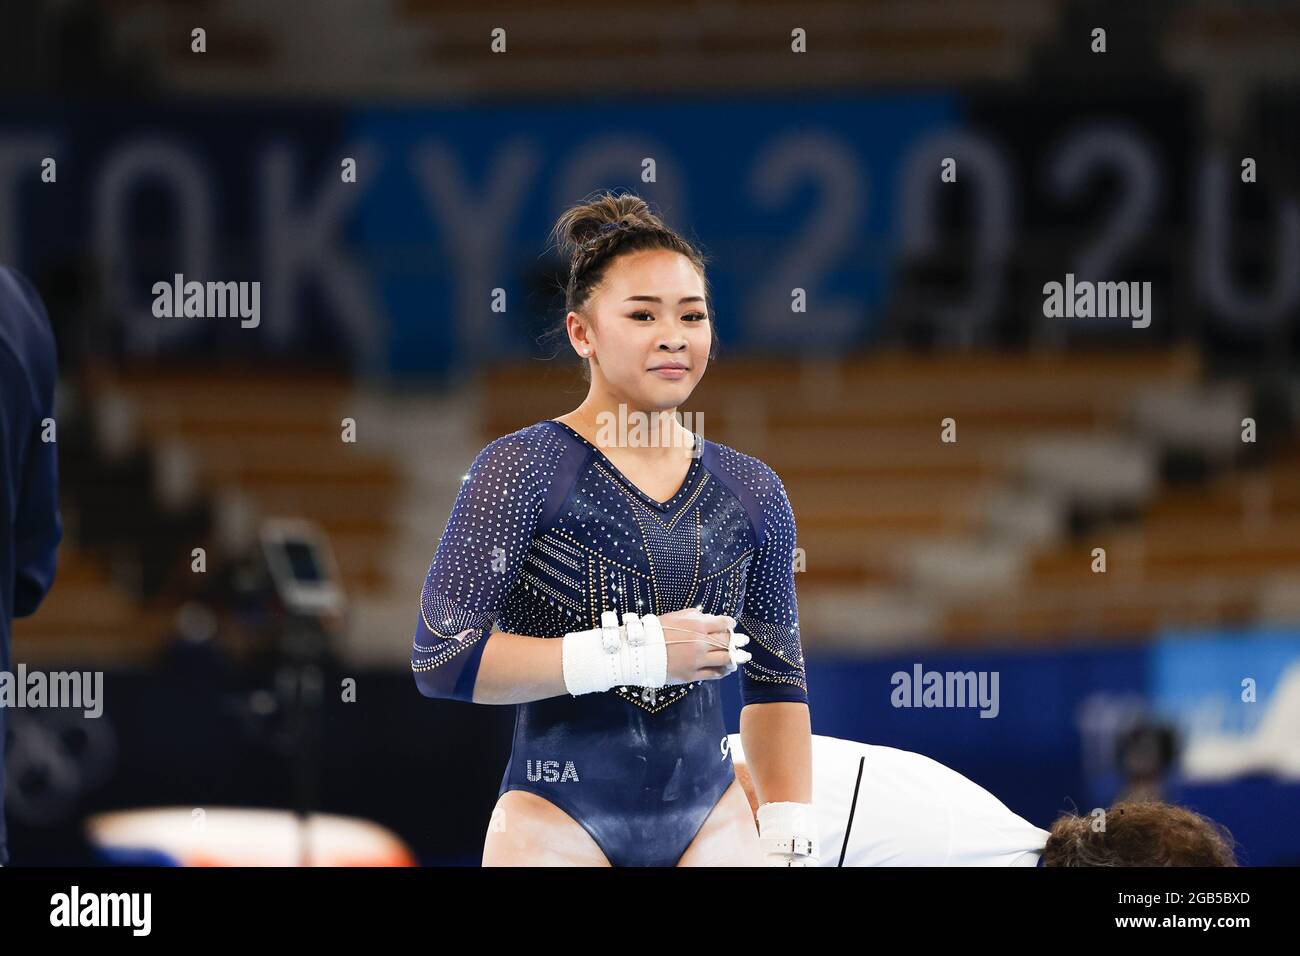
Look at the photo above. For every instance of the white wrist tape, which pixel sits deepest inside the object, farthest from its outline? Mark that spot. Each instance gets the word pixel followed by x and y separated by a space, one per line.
pixel 610 655
pixel 587 665
pixel 645 639
pixel 788 833
pixel 611 638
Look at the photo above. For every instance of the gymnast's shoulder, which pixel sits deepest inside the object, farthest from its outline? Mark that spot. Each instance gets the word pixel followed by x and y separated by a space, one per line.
pixel 748 472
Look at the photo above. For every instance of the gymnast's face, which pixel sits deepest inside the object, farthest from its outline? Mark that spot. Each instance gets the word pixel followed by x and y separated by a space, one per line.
pixel 649 311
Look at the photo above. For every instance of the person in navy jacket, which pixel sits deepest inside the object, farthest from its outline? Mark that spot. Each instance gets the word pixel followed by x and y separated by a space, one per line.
pixel 30 527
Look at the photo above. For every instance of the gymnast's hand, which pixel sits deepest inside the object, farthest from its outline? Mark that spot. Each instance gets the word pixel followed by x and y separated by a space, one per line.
pixel 651 651
pixel 701 646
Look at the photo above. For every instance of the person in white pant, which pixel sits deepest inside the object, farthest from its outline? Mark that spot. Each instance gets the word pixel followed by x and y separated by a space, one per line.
pixel 880 806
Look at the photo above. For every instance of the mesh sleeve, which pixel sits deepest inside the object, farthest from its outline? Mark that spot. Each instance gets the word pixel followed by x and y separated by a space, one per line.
pixel 477 560
pixel 770 612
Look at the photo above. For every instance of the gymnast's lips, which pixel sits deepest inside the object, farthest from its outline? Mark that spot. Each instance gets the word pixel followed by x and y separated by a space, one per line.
pixel 671 369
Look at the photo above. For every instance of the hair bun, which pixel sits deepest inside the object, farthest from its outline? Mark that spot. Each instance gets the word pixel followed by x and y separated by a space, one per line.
pixel 606 229
pixel 598 217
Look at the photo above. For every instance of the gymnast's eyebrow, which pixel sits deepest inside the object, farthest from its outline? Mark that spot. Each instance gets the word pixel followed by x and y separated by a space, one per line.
pixel 655 298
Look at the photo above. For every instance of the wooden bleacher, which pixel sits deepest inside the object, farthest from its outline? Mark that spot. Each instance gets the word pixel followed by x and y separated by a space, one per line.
pixel 278 440
pixel 436 47
pixel 275 439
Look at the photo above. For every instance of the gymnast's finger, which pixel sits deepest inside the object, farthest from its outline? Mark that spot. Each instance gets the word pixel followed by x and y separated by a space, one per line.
pixel 722 624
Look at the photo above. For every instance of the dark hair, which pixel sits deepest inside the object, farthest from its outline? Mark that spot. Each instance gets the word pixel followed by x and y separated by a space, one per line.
pixel 1139 834
pixel 604 226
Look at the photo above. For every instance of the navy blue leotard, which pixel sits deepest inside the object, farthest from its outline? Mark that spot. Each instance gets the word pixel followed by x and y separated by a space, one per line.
pixel 546 533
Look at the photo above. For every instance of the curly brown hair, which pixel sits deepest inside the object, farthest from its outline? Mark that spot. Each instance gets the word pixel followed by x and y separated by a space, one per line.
pixel 607 225
pixel 1139 834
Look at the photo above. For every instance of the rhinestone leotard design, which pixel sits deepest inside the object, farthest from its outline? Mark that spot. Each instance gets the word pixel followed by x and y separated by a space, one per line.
pixel 546 533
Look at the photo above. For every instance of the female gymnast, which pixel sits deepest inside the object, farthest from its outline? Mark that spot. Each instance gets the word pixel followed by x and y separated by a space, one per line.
pixel 657 567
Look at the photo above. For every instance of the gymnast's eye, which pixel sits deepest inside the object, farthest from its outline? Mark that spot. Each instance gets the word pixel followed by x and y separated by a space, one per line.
pixel 689 316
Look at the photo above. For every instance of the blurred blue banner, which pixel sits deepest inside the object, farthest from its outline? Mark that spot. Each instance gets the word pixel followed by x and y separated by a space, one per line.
pixel 396 271
pixel 411 241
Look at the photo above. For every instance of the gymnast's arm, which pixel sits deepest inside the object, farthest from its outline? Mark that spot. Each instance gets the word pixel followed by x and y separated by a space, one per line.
pixel 777 738
pixel 456 653
pixel 516 669
pixel 775 724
